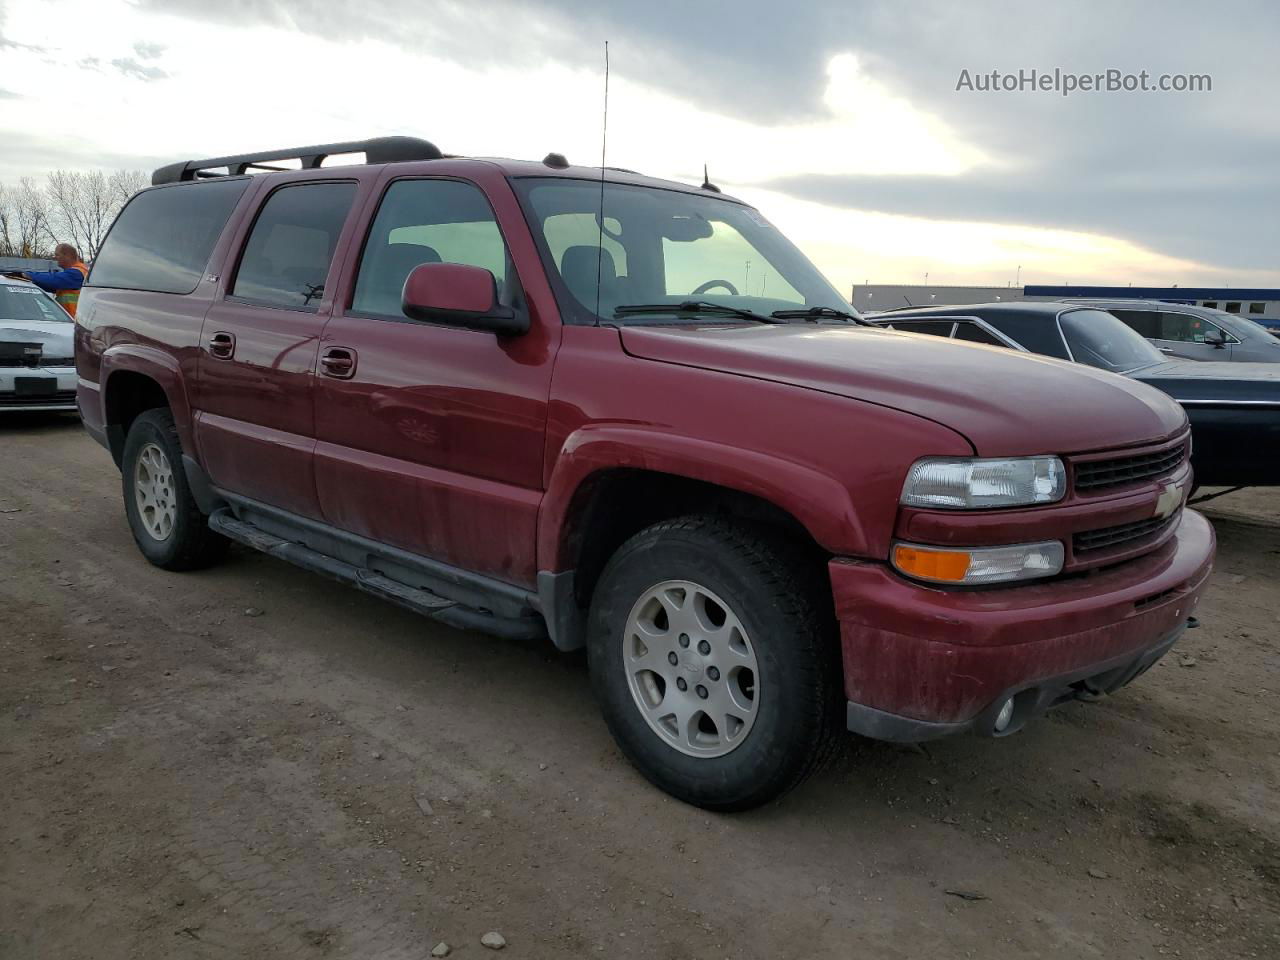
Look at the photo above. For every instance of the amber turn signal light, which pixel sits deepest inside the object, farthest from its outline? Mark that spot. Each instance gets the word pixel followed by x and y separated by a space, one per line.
pixel 972 566
pixel 944 566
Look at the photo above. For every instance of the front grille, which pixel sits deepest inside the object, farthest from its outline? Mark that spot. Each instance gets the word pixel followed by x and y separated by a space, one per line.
pixel 57 361
pixel 1124 534
pixel 19 361
pixel 1094 475
pixel 38 400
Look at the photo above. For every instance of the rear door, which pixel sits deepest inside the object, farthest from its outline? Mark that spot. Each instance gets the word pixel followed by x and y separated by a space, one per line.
pixel 255 425
pixel 430 437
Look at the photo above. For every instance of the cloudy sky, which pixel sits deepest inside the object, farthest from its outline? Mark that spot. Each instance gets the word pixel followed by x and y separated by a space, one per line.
pixel 840 119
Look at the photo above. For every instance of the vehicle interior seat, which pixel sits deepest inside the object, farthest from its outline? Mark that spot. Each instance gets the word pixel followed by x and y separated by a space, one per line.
pixel 379 290
pixel 578 268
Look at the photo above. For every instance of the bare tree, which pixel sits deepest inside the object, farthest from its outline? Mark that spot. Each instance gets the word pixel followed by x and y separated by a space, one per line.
pixel 31 221
pixel 7 246
pixel 83 206
pixel 125 183
pixel 73 207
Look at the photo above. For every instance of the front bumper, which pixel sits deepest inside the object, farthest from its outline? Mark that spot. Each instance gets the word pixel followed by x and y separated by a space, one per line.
pixel 921 663
pixel 42 389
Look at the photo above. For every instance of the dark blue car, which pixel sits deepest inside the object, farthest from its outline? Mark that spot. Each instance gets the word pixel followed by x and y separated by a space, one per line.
pixel 1234 408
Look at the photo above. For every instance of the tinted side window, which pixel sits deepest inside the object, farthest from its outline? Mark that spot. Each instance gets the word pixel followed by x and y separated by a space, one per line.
pixel 975 334
pixel 1145 322
pixel 938 328
pixel 162 240
pixel 286 260
pixel 426 221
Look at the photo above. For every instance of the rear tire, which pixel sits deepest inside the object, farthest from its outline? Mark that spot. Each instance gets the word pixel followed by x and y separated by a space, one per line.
pixel 713 652
pixel 167 525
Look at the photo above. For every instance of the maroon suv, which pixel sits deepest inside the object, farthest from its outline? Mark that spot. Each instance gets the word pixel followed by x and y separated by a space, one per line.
pixel 542 400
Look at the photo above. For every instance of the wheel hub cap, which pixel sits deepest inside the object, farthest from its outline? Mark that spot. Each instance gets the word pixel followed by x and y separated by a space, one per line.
pixel 691 668
pixel 153 490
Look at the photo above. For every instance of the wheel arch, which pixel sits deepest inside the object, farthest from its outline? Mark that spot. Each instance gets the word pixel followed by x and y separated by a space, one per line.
pixel 613 483
pixel 135 379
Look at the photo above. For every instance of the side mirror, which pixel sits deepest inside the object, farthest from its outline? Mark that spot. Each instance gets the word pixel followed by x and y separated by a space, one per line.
pixel 1217 343
pixel 459 295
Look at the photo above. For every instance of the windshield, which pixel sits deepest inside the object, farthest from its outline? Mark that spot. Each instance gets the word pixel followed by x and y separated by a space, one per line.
pixel 1100 340
pixel 22 302
pixel 1243 325
pixel 667 247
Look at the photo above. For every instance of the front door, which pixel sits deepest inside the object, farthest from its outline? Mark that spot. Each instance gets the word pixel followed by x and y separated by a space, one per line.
pixel 1193 338
pixel 255 425
pixel 430 437
pixel 1180 334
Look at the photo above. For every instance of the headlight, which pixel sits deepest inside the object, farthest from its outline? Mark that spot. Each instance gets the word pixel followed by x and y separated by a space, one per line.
pixel 960 566
pixel 973 484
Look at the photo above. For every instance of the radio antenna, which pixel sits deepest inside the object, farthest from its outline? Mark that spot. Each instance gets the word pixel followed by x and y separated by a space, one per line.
pixel 604 143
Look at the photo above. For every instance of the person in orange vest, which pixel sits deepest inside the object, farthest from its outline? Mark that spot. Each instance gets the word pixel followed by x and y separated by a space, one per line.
pixel 65 282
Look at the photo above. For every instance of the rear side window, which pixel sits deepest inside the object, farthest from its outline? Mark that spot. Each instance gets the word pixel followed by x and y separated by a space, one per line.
pixel 286 260
pixel 967 330
pixel 426 221
pixel 1146 323
pixel 937 328
pixel 162 240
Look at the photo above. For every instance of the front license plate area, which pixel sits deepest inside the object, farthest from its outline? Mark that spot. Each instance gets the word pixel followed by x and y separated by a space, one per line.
pixel 35 386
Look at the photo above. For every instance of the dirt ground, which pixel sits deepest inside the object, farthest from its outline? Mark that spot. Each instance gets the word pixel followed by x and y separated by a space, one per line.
pixel 254 762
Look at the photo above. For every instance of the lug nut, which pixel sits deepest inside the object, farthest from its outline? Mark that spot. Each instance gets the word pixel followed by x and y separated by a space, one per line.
pixel 703 647
pixel 713 673
pixel 684 639
pixel 672 658
pixel 680 684
pixel 702 691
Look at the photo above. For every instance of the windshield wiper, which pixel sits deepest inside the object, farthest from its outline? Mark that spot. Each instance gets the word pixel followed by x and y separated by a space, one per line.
pixel 693 306
pixel 817 313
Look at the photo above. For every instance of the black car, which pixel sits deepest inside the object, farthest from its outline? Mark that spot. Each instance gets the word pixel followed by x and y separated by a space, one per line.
pixel 1234 408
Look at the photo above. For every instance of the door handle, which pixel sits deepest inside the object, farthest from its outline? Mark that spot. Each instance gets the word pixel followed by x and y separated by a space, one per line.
pixel 222 345
pixel 1165 349
pixel 339 362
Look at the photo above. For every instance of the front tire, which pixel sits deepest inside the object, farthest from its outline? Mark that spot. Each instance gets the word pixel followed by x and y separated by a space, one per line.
pixel 713 653
pixel 167 525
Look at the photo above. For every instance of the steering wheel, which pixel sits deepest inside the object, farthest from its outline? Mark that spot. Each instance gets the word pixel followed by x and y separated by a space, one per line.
pixel 704 287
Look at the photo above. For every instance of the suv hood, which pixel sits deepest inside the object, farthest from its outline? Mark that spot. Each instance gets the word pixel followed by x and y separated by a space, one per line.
pixel 55 337
pixel 1007 403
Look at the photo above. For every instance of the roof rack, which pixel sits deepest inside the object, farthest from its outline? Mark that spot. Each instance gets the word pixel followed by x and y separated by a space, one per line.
pixel 375 150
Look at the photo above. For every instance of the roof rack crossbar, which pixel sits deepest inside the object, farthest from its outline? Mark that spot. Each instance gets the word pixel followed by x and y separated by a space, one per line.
pixel 375 150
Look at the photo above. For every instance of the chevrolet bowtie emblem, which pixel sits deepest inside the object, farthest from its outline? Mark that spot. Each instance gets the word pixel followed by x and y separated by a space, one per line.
pixel 1170 499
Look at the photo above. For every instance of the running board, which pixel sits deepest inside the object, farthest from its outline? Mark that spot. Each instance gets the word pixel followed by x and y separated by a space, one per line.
pixel 416 599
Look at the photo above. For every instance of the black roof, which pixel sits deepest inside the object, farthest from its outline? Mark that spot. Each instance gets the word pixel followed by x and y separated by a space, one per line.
pixel 376 150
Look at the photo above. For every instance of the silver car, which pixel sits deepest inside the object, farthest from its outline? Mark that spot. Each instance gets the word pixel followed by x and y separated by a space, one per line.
pixel 37 356
pixel 1194 333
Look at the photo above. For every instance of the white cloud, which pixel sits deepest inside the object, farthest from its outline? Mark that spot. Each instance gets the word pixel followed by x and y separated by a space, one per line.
pixel 215 88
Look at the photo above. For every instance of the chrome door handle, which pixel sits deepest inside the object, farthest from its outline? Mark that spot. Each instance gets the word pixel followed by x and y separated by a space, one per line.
pixel 339 362
pixel 222 345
